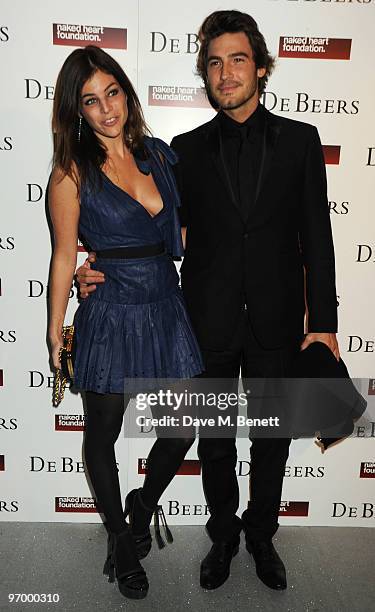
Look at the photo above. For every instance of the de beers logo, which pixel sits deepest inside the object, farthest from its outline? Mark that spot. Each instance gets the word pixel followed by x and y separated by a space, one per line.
pixel 4 33
pixel 367 469
pixel 6 143
pixel 310 47
pixel 75 504
pixel 294 508
pixel 77 35
pixel 189 467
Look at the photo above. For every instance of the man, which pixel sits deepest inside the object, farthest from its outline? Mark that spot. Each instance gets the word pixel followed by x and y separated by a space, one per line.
pixel 253 190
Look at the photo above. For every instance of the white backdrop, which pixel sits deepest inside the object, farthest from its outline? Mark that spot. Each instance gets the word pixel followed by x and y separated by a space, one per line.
pixel 41 470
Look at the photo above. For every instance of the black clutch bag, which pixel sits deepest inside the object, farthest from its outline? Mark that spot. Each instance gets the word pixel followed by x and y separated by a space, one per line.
pixel 66 373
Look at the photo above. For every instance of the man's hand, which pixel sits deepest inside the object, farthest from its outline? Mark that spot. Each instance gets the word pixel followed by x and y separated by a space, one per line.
pixel 327 338
pixel 87 277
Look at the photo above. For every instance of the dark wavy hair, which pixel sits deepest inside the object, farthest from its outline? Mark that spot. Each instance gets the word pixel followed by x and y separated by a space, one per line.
pixel 223 22
pixel 88 154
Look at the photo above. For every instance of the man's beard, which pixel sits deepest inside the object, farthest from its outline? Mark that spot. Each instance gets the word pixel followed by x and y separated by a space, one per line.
pixel 232 104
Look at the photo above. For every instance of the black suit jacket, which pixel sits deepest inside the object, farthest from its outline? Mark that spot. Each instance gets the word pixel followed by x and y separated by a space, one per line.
pixel 258 258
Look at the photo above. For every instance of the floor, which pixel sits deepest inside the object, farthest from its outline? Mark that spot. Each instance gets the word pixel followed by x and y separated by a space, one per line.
pixel 329 568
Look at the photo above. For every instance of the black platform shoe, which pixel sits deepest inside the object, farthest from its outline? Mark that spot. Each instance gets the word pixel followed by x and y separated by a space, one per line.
pixel 143 541
pixel 122 563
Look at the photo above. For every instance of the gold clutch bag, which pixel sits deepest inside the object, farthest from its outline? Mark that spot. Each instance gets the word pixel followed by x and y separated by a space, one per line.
pixel 66 373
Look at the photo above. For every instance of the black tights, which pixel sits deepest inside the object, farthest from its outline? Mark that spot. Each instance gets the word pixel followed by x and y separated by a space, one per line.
pixel 103 425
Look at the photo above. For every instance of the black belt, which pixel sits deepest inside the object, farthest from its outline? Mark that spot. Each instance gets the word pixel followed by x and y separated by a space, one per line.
pixel 147 250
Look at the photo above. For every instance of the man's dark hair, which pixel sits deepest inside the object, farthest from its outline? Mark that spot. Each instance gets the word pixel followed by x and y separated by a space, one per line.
pixel 223 22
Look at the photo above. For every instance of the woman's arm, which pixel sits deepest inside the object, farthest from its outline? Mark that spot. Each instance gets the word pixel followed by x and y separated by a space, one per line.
pixel 183 236
pixel 64 209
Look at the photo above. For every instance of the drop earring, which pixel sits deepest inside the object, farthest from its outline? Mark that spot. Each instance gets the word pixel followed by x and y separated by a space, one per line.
pixel 79 129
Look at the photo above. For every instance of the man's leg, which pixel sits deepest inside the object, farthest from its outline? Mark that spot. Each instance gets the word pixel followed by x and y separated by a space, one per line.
pixel 267 467
pixel 219 457
pixel 268 457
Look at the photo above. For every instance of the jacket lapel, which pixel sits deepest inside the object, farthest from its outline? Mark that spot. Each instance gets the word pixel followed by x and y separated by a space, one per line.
pixel 215 147
pixel 270 136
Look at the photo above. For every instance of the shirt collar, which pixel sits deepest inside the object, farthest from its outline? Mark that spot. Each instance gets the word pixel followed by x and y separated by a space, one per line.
pixel 230 127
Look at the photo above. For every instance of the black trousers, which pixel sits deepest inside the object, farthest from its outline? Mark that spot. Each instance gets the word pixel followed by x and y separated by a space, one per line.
pixel 268 456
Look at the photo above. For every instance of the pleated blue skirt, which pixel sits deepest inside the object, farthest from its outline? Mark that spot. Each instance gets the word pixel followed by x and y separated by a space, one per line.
pixel 134 326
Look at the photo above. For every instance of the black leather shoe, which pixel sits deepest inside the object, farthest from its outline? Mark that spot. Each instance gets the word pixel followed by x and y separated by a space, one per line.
pixel 215 568
pixel 269 567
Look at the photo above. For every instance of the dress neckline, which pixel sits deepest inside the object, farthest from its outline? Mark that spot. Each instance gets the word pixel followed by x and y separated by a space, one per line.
pixel 137 202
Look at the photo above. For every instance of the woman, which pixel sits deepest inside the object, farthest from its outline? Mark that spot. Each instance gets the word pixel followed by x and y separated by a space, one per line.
pixel 112 185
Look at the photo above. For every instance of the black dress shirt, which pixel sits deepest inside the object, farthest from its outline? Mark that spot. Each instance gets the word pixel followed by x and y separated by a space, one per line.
pixel 242 148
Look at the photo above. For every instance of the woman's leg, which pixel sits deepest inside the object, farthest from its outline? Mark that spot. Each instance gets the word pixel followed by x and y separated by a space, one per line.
pixel 163 462
pixel 103 425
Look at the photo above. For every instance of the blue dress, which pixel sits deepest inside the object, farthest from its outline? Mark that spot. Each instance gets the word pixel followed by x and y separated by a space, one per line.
pixel 135 325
